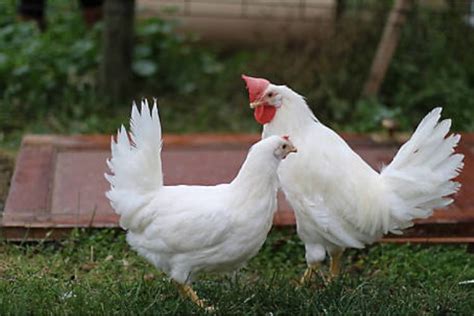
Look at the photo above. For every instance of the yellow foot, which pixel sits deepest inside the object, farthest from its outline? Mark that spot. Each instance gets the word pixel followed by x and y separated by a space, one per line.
pixel 309 273
pixel 187 291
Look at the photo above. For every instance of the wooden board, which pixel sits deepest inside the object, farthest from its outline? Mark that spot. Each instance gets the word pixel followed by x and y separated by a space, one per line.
pixel 58 183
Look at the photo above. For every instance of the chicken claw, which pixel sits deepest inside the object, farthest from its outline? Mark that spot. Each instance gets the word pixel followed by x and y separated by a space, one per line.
pixel 187 291
pixel 309 273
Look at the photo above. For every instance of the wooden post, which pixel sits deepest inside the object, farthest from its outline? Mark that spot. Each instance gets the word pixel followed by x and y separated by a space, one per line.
pixel 117 41
pixel 386 48
pixel 340 8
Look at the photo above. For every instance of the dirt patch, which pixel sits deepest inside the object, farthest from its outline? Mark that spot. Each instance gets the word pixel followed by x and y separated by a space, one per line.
pixel 6 171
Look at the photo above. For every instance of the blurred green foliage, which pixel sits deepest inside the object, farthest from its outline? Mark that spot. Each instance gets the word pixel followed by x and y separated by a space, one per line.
pixel 434 67
pixel 48 81
pixel 45 76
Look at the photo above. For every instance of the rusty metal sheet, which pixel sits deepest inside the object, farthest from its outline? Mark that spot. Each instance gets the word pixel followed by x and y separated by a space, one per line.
pixel 58 183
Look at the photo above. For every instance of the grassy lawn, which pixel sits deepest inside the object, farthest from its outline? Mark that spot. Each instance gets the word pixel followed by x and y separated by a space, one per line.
pixel 97 273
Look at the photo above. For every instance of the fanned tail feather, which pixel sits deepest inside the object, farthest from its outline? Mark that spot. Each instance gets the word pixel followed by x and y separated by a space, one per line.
pixel 420 177
pixel 135 164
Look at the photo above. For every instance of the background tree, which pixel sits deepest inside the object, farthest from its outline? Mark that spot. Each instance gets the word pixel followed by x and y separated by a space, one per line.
pixel 115 70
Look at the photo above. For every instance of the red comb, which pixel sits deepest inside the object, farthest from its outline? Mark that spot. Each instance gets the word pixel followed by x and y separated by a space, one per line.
pixel 255 86
pixel 286 137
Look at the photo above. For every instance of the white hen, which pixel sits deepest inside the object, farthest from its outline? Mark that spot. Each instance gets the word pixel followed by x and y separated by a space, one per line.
pixel 338 199
pixel 184 229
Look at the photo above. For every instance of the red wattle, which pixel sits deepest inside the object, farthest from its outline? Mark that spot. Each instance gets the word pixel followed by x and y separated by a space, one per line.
pixel 264 113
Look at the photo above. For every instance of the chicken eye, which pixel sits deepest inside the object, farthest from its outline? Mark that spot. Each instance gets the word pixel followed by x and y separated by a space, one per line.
pixel 270 94
pixel 284 146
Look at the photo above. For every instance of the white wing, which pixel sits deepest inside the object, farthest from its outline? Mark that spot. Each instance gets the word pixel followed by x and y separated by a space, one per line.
pixel 313 215
pixel 186 218
pixel 340 192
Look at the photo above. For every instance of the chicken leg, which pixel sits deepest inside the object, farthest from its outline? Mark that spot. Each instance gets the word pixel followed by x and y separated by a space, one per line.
pixel 187 291
pixel 334 268
pixel 335 263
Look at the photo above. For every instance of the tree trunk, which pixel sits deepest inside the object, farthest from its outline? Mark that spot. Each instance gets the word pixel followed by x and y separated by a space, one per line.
pixel 386 48
pixel 117 47
pixel 341 6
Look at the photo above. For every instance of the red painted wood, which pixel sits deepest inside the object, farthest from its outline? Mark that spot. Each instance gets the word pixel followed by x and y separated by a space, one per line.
pixel 29 191
pixel 58 182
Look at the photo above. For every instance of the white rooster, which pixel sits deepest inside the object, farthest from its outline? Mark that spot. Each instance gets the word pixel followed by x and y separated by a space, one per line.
pixel 339 200
pixel 184 229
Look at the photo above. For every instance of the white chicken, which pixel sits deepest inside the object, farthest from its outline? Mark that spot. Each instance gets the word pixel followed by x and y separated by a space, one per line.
pixel 187 229
pixel 339 200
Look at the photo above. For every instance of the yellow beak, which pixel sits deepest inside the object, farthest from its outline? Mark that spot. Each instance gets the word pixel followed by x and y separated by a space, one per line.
pixel 253 105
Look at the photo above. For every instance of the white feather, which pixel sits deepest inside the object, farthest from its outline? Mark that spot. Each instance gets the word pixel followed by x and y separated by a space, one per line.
pixel 355 204
pixel 184 230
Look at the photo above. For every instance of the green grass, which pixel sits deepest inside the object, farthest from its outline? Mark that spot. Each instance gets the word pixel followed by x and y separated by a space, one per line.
pixel 97 273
